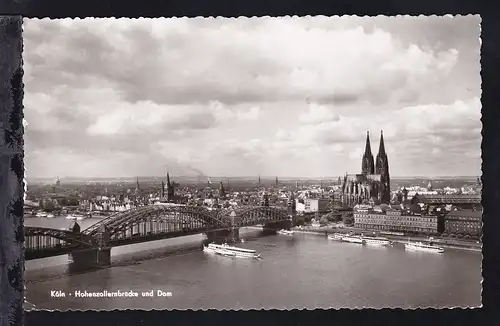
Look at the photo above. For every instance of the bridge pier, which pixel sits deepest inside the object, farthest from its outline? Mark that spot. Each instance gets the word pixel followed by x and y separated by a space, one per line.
pixel 273 227
pixel 89 258
pixel 228 235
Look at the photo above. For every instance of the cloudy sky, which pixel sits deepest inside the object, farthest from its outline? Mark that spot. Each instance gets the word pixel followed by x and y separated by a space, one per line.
pixel 241 97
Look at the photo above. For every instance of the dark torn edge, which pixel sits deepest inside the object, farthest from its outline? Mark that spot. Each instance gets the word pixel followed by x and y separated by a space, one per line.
pixel 12 274
pixel 12 172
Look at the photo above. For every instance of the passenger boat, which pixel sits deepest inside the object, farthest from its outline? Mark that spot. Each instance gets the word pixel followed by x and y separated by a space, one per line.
pixel 218 251
pixel 286 232
pixel 41 214
pixel 50 215
pixel 376 241
pixel 420 246
pixel 77 217
pixel 353 239
pixel 336 236
pixel 227 250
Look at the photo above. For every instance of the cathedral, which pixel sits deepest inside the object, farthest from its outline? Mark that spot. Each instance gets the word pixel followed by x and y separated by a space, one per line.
pixel 373 184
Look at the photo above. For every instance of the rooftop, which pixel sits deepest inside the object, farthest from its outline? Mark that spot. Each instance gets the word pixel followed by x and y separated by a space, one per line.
pixel 465 213
pixel 450 199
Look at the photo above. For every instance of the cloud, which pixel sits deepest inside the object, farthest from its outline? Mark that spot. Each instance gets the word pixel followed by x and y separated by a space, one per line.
pixel 152 118
pixel 239 62
pixel 318 113
pixel 240 96
pixel 252 114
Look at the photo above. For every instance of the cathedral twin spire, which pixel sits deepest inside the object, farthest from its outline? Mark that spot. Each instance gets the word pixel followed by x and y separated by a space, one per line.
pixel 368 165
pixel 382 163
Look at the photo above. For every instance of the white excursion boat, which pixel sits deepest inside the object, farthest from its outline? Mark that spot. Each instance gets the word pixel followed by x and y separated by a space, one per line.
pixel 77 217
pixel 353 239
pixel 218 251
pixel 285 232
pixel 376 241
pixel 50 215
pixel 41 214
pixel 336 236
pixel 420 246
pixel 227 250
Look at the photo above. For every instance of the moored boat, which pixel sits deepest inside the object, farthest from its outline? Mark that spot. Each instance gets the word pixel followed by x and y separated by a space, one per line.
pixel 376 241
pixel 285 232
pixel 353 239
pixel 420 246
pixel 336 236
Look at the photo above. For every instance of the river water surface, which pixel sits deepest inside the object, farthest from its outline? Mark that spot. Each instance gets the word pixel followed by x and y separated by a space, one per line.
pixel 303 271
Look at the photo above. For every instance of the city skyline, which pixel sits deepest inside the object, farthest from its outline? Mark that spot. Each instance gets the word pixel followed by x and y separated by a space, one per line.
pixel 238 97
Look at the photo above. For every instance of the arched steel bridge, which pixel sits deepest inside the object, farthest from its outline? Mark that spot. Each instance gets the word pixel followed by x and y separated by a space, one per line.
pixel 147 223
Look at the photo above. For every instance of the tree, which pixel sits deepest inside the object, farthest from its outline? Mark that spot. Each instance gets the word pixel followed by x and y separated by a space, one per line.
pixel 348 219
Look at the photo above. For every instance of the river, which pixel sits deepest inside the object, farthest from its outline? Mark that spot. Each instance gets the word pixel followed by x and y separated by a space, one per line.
pixel 303 271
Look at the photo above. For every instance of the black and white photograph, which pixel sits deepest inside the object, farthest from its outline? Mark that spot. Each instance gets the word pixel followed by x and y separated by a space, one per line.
pixel 252 163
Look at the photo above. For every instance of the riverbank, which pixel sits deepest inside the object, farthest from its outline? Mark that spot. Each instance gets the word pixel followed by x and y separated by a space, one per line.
pixel 446 243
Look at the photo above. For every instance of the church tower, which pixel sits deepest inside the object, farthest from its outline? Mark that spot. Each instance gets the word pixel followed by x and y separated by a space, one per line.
pixel 170 189
pixel 382 168
pixel 367 165
pixel 137 187
pixel 222 191
pixel 162 189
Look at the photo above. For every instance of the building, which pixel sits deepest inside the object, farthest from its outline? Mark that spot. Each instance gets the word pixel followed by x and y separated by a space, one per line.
pixel 395 220
pixel 465 201
pixel 320 205
pixel 464 223
pixel 373 184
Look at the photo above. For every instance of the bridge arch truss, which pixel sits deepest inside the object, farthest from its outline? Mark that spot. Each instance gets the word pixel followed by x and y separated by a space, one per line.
pixel 252 215
pixel 147 223
pixel 45 242
pixel 157 219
